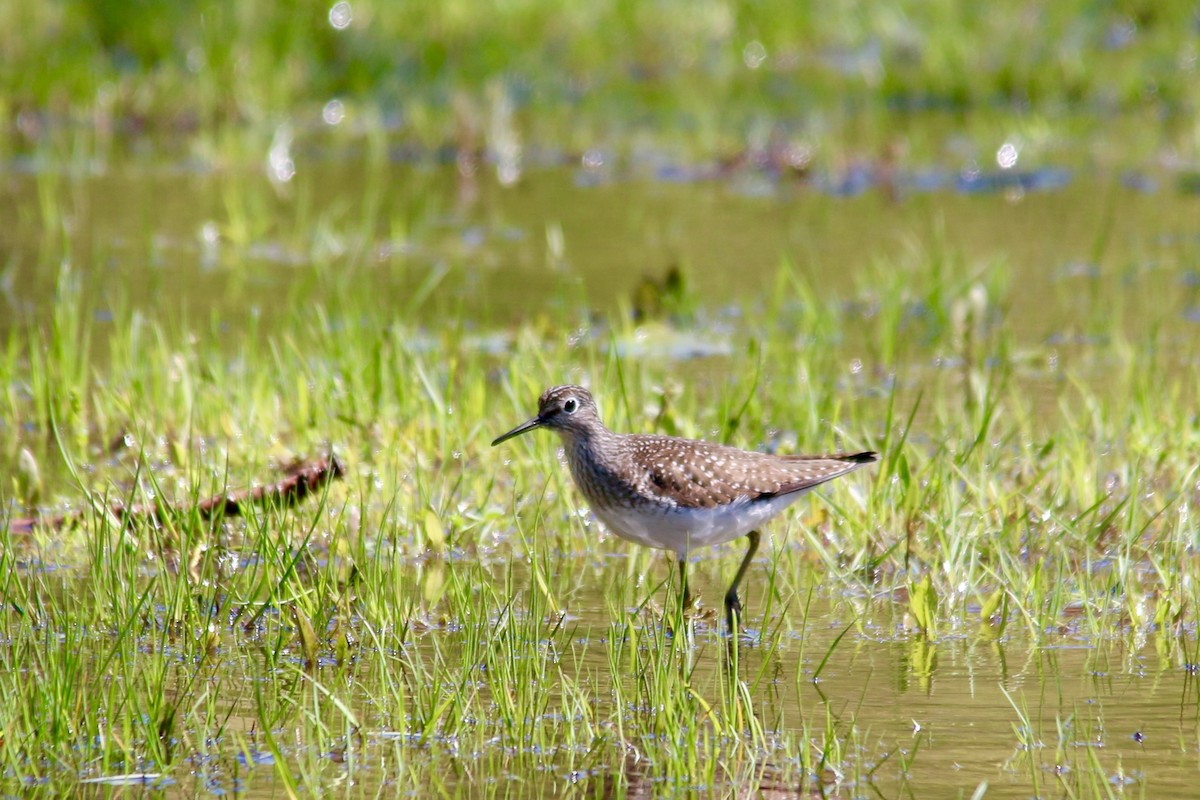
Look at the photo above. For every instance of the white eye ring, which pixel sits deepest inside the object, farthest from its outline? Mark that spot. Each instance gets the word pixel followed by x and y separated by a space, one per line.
pixel 570 405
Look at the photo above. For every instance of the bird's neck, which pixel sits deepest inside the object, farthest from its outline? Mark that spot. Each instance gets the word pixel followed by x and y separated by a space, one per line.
pixel 594 444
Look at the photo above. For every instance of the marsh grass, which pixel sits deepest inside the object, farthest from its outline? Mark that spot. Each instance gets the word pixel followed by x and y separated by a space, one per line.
pixel 448 618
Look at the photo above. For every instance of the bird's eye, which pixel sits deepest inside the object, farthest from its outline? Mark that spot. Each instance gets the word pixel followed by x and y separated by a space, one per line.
pixel 570 405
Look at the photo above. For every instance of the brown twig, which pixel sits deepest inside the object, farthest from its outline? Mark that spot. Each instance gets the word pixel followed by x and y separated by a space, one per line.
pixel 300 480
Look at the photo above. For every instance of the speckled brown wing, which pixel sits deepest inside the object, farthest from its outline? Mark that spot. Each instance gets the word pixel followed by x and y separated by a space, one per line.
pixel 697 474
pixel 812 471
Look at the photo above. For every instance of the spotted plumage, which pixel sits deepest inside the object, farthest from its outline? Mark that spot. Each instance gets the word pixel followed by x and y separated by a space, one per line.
pixel 678 494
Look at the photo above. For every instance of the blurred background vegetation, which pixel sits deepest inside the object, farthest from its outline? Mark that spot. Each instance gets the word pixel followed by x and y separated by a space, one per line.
pixel 702 70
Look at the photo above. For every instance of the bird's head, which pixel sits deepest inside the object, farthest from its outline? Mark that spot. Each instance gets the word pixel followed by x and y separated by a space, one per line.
pixel 570 410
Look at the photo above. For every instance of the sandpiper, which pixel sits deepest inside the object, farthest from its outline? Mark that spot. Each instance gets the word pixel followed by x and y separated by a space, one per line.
pixel 678 494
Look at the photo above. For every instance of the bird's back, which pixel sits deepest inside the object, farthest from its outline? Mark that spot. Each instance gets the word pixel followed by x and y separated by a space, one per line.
pixel 689 473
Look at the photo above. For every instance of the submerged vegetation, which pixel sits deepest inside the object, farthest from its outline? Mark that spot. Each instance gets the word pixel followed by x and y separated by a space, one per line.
pixel 243 237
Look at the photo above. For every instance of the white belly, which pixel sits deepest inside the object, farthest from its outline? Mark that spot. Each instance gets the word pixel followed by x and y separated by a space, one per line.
pixel 685 529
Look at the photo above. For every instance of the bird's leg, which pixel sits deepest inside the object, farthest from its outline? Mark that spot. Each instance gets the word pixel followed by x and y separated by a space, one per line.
pixel 684 589
pixel 733 606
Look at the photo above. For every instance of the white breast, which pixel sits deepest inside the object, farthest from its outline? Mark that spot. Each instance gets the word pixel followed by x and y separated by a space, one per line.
pixel 685 529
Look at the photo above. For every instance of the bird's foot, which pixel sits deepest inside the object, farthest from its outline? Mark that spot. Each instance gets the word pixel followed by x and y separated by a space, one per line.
pixel 701 613
pixel 692 607
pixel 733 613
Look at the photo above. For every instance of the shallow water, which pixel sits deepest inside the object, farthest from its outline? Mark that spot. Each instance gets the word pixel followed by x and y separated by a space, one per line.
pixel 164 240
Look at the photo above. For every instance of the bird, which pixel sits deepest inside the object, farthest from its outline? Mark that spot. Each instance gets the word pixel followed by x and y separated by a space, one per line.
pixel 678 494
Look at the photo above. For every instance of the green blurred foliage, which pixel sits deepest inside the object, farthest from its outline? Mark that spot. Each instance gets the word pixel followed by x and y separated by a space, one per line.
pixel 214 61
